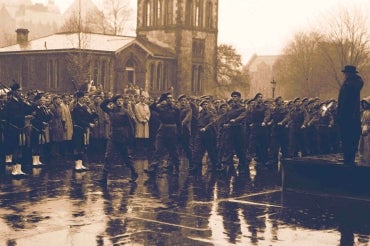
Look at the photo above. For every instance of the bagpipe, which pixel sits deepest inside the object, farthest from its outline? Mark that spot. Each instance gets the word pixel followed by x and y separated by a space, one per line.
pixel 14 93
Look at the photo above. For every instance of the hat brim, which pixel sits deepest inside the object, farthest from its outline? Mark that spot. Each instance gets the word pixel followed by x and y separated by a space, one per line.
pixel 346 71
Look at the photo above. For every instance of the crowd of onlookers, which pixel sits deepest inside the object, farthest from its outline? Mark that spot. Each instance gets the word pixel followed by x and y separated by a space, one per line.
pixel 264 129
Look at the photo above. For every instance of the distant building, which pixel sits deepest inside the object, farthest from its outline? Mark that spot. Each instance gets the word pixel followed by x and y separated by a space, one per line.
pixel 175 50
pixel 40 19
pixel 260 70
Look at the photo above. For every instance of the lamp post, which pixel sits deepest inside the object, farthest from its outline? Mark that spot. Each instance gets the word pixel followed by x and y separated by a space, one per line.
pixel 273 86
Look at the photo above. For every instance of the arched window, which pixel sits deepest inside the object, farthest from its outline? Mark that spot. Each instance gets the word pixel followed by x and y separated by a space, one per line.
pixel 189 13
pixel 147 14
pixel 209 8
pixel 159 13
pixel 199 14
pixel 130 71
pixel 159 76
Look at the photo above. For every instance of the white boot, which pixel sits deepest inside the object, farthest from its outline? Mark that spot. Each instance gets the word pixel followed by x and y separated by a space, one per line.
pixel 38 162
pixel 77 165
pixel 20 172
pixel 8 159
pixel 34 160
pixel 82 166
pixel 15 170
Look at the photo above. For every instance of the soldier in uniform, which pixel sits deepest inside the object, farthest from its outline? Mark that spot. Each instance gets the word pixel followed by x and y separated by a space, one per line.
pixel 234 135
pixel 279 140
pixel 83 119
pixel 259 118
pixel 17 111
pixel 121 136
pixel 205 139
pixel 167 135
pixel 295 122
pixel 185 129
pixel 42 115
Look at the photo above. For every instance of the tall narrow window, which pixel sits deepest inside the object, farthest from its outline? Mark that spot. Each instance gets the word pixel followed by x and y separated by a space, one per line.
pixel 103 73
pixel 130 72
pixel 209 15
pixel 198 14
pixel 147 14
pixel 159 77
pixel 200 79
pixel 95 72
pixel 189 13
pixel 152 77
pixel 194 78
pixel 169 12
pixel 56 74
pixel 166 83
pixel 50 73
pixel 159 13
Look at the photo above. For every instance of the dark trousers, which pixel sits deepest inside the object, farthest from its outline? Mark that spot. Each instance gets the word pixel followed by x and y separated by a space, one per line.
pixel 350 136
pixel 166 142
pixel 205 141
pixel 114 148
pixel 186 143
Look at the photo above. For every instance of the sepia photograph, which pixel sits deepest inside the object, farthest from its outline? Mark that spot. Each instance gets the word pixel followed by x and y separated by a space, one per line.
pixel 184 122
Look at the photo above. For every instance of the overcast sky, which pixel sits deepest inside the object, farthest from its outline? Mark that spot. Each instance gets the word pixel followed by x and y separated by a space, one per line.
pixel 263 26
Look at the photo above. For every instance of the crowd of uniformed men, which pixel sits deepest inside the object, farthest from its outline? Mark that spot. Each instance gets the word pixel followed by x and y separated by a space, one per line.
pixel 39 124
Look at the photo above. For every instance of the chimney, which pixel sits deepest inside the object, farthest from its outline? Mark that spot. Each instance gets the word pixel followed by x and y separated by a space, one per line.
pixel 22 35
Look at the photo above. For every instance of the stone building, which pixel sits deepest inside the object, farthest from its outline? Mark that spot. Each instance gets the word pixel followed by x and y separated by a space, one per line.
pixel 174 49
pixel 260 69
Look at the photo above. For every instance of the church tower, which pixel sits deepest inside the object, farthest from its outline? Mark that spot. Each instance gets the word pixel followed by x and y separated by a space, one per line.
pixel 188 28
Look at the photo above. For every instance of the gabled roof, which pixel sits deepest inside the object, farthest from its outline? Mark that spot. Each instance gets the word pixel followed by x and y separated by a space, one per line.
pixel 88 41
pixel 154 49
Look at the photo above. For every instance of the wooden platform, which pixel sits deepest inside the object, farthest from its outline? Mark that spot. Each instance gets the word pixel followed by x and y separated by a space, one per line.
pixel 325 174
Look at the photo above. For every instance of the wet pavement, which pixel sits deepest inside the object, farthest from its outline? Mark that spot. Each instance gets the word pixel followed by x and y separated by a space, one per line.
pixel 55 205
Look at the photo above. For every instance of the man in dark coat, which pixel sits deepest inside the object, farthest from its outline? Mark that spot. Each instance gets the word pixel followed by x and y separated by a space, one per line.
pixel 348 113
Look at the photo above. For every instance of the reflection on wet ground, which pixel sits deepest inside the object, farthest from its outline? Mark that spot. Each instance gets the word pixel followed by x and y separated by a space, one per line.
pixel 57 206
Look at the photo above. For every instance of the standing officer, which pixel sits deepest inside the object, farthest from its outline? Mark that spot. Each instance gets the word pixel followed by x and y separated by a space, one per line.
pixel 348 113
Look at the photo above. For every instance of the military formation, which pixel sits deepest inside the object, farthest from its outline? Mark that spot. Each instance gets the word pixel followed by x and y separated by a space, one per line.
pixel 40 125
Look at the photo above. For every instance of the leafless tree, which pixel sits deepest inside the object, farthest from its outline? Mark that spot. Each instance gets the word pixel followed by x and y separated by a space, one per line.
pixel 117 14
pixel 346 41
pixel 300 65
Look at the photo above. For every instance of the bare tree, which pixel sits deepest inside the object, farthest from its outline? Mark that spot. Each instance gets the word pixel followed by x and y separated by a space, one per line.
pixel 346 41
pixel 117 14
pixel 299 65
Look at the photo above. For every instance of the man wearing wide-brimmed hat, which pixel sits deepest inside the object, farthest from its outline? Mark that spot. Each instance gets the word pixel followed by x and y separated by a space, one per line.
pixel 349 118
